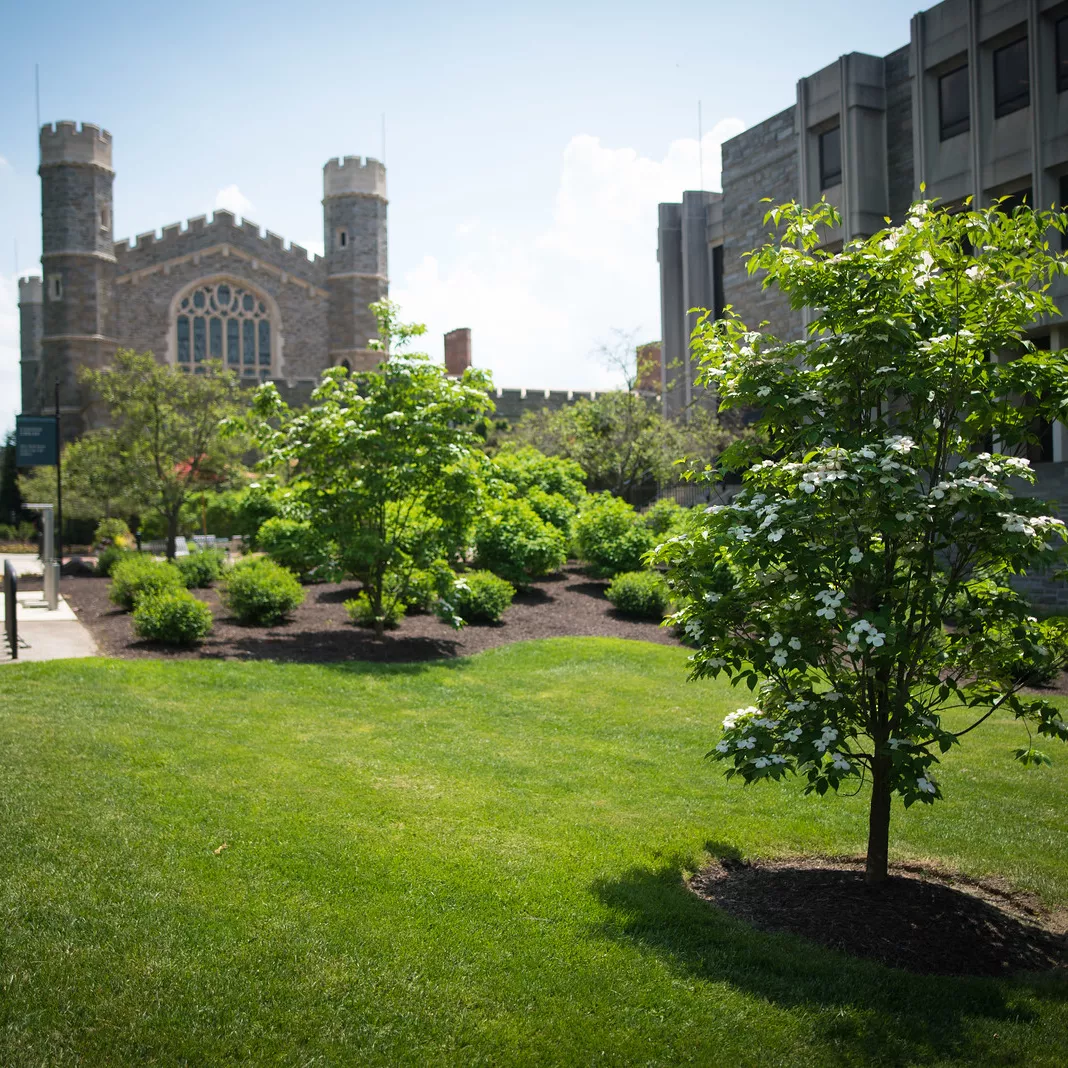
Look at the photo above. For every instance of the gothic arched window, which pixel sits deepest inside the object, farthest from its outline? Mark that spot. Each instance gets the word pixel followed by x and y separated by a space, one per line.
pixel 228 322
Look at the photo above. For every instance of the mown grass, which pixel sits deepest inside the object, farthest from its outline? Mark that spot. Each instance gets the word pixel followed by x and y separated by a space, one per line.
pixel 474 862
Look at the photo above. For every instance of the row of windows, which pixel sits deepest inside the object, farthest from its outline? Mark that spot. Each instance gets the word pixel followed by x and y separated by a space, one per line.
pixel 1012 83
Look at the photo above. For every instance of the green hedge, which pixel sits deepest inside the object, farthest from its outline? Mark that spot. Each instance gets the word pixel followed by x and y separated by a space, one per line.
pixel 173 616
pixel 140 574
pixel 642 594
pixel 479 596
pixel 261 592
pixel 610 536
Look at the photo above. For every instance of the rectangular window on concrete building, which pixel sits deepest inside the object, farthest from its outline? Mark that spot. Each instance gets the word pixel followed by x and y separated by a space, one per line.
pixel 953 111
pixel 1062 54
pixel 1012 83
pixel 831 158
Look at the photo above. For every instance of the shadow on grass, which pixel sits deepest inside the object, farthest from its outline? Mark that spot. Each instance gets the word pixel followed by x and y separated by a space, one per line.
pixel 868 1012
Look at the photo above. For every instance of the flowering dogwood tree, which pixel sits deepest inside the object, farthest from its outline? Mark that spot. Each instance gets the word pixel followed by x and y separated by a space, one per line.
pixel 859 581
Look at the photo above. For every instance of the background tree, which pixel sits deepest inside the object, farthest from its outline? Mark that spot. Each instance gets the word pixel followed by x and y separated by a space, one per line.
pixel 860 582
pixel 169 433
pixel 375 458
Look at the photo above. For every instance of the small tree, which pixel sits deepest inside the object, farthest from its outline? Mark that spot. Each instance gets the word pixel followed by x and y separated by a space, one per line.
pixel 169 429
pixel 860 581
pixel 374 456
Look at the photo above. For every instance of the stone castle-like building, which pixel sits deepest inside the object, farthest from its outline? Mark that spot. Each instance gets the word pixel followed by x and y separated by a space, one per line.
pixel 213 289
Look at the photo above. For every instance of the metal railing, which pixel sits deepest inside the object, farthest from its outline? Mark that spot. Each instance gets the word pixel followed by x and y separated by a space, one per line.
pixel 11 619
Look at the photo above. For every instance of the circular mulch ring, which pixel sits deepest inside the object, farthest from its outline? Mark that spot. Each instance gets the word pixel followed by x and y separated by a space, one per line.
pixel 568 604
pixel 922 919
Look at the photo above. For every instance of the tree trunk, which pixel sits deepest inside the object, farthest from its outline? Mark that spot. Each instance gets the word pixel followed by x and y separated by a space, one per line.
pixel 172 535
pixel 875 868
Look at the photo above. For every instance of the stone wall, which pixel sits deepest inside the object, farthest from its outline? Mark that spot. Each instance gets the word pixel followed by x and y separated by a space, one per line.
pixel 513 404
pixel 761 162
pixel 143 302
pixel 150 251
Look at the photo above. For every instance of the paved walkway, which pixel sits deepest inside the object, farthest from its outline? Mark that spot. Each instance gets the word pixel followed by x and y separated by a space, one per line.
pixel 43 635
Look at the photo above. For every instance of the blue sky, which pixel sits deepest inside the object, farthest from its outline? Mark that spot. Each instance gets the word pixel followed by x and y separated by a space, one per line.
pixel 527 145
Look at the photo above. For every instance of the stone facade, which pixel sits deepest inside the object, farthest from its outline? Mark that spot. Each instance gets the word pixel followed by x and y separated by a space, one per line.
pixel 98 295
pixel 865 132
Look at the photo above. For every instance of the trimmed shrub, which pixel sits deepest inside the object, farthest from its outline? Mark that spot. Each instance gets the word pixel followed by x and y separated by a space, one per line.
pixel 665 518
pixel 642 594
pixel 527 467
pixel 479 596
pixel 139 574
pixel 424 586
pixel 107 558
pixel 361 612
pixel 513 541
pixel 201 567
pixel 259 591
pixel 554 508
pixel 295 544
pixel 113 532
pixel 610 536
pixel 173 616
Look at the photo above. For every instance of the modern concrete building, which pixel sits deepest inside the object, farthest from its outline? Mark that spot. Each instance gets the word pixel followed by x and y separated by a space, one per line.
pixel 211 289
pixel 976 104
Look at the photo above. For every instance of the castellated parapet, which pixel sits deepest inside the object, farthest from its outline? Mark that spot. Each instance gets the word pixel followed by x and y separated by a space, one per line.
pixel 66 142
pixel 31 290
pixel 353 176
pixel 199 234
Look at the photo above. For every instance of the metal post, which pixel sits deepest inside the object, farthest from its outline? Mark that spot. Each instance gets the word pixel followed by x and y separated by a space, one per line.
pixel 51 568
pixel 11 619
pixel 59 485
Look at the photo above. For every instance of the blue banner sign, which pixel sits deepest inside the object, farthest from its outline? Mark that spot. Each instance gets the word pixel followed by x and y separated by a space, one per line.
pixel 35 441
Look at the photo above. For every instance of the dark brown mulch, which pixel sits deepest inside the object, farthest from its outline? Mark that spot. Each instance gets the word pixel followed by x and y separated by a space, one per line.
pixel 320 632
pixel 922 919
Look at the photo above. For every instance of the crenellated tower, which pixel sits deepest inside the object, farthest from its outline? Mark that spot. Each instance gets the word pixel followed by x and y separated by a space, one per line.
pixel 78 262
pixel 354 239
pixel 31 326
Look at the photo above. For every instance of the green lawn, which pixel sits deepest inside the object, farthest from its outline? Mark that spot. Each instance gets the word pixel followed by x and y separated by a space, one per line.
pixel 457 863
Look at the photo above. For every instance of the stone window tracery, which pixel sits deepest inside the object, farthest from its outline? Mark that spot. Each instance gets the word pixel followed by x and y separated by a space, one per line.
pixel 228 322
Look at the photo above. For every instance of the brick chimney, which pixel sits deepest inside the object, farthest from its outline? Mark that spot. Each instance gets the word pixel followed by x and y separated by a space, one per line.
pixel 457 351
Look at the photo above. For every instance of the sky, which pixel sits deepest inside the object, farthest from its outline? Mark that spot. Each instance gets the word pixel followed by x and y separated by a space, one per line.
pixel 527 145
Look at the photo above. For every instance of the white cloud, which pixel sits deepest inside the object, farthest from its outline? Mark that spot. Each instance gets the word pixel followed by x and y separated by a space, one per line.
pixel 538 310
pixel 230 198
pixel 4 164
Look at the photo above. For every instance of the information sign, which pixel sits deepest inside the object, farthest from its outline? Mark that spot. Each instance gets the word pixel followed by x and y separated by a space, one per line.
pixel 35 441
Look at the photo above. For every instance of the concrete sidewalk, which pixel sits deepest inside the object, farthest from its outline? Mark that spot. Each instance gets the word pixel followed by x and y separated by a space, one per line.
pixel 44 635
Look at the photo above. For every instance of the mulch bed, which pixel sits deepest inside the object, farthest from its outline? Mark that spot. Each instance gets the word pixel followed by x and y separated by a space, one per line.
pixel 568 604
pixel 923 919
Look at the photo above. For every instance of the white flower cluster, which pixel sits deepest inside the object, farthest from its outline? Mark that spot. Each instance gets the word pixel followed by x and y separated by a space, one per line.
pixel 875 638
pixel 694 629
pixel 1031 525
pixel 951 489
pixel 732 719
pixel 765 761
pixel 831 601
pixel 840 762
pixel 1011 465
pixel 828 738
pixel 926 784
pixel 900 443
pixel 855 555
